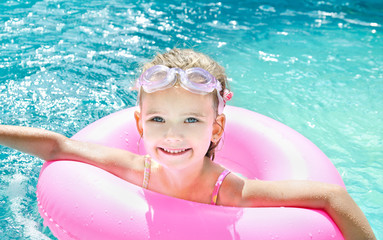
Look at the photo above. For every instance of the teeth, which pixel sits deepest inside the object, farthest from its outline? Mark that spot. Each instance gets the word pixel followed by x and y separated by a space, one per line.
pixel 174 151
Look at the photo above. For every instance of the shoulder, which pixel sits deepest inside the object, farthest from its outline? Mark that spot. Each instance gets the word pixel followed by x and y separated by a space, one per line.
pixel 127 165
pixel 230 193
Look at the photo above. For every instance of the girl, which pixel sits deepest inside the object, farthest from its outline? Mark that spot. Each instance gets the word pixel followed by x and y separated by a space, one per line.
pixel 181 97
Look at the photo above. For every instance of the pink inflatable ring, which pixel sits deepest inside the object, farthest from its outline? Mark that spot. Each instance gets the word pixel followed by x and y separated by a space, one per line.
pixel 80 201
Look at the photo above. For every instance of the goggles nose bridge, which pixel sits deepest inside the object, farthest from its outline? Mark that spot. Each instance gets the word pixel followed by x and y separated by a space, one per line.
pixel 177 72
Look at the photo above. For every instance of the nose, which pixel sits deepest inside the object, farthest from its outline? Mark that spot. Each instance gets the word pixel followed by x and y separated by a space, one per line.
pixel 173 134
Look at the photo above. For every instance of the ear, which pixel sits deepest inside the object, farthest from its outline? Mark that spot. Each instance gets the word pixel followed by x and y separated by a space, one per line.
pixel 137 116
pixel 218 128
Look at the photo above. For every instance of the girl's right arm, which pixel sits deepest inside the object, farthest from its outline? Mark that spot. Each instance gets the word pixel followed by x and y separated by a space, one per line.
pixel 49 145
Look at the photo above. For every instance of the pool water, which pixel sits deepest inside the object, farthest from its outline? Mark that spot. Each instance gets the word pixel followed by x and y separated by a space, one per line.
pixel 316 66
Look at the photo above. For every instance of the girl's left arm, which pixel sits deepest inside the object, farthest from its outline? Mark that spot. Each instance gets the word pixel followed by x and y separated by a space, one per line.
pixel 334 199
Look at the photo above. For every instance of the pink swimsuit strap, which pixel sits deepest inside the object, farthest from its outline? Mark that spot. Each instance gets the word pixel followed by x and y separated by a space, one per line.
pixel 218 186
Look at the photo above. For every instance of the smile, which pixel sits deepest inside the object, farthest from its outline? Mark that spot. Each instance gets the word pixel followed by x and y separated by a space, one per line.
pixel 176 151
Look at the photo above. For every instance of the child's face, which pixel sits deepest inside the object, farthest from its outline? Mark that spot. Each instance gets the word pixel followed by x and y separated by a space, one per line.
pixel 177 126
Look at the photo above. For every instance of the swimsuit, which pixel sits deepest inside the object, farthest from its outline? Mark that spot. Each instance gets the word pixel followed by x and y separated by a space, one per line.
pixel 146 172
pixel 217 186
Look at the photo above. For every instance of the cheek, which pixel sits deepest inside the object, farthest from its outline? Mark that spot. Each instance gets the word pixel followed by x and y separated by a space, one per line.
pixel 202 137
pixel 151 132
pixel 149 140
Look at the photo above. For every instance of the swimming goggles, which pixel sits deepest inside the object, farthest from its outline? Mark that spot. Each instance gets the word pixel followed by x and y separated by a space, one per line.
pixel 195 80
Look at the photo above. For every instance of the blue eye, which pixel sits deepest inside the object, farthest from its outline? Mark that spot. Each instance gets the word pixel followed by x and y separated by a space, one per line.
pixel 158 119
pixel 191 120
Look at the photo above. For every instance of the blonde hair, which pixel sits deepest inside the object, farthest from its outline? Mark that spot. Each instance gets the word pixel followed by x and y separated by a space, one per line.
pixel 188 58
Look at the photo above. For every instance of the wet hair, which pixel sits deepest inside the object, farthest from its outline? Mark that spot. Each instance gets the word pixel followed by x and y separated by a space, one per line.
pixel 188 58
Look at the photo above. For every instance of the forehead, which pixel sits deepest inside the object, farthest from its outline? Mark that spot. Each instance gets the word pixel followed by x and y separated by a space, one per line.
pixel 176 98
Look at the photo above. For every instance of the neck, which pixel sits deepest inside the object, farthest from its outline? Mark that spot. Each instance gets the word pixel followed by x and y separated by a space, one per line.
pixel 182 183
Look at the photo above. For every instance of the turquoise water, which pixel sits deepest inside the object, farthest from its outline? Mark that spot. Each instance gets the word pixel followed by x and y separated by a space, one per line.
pixel 316 66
